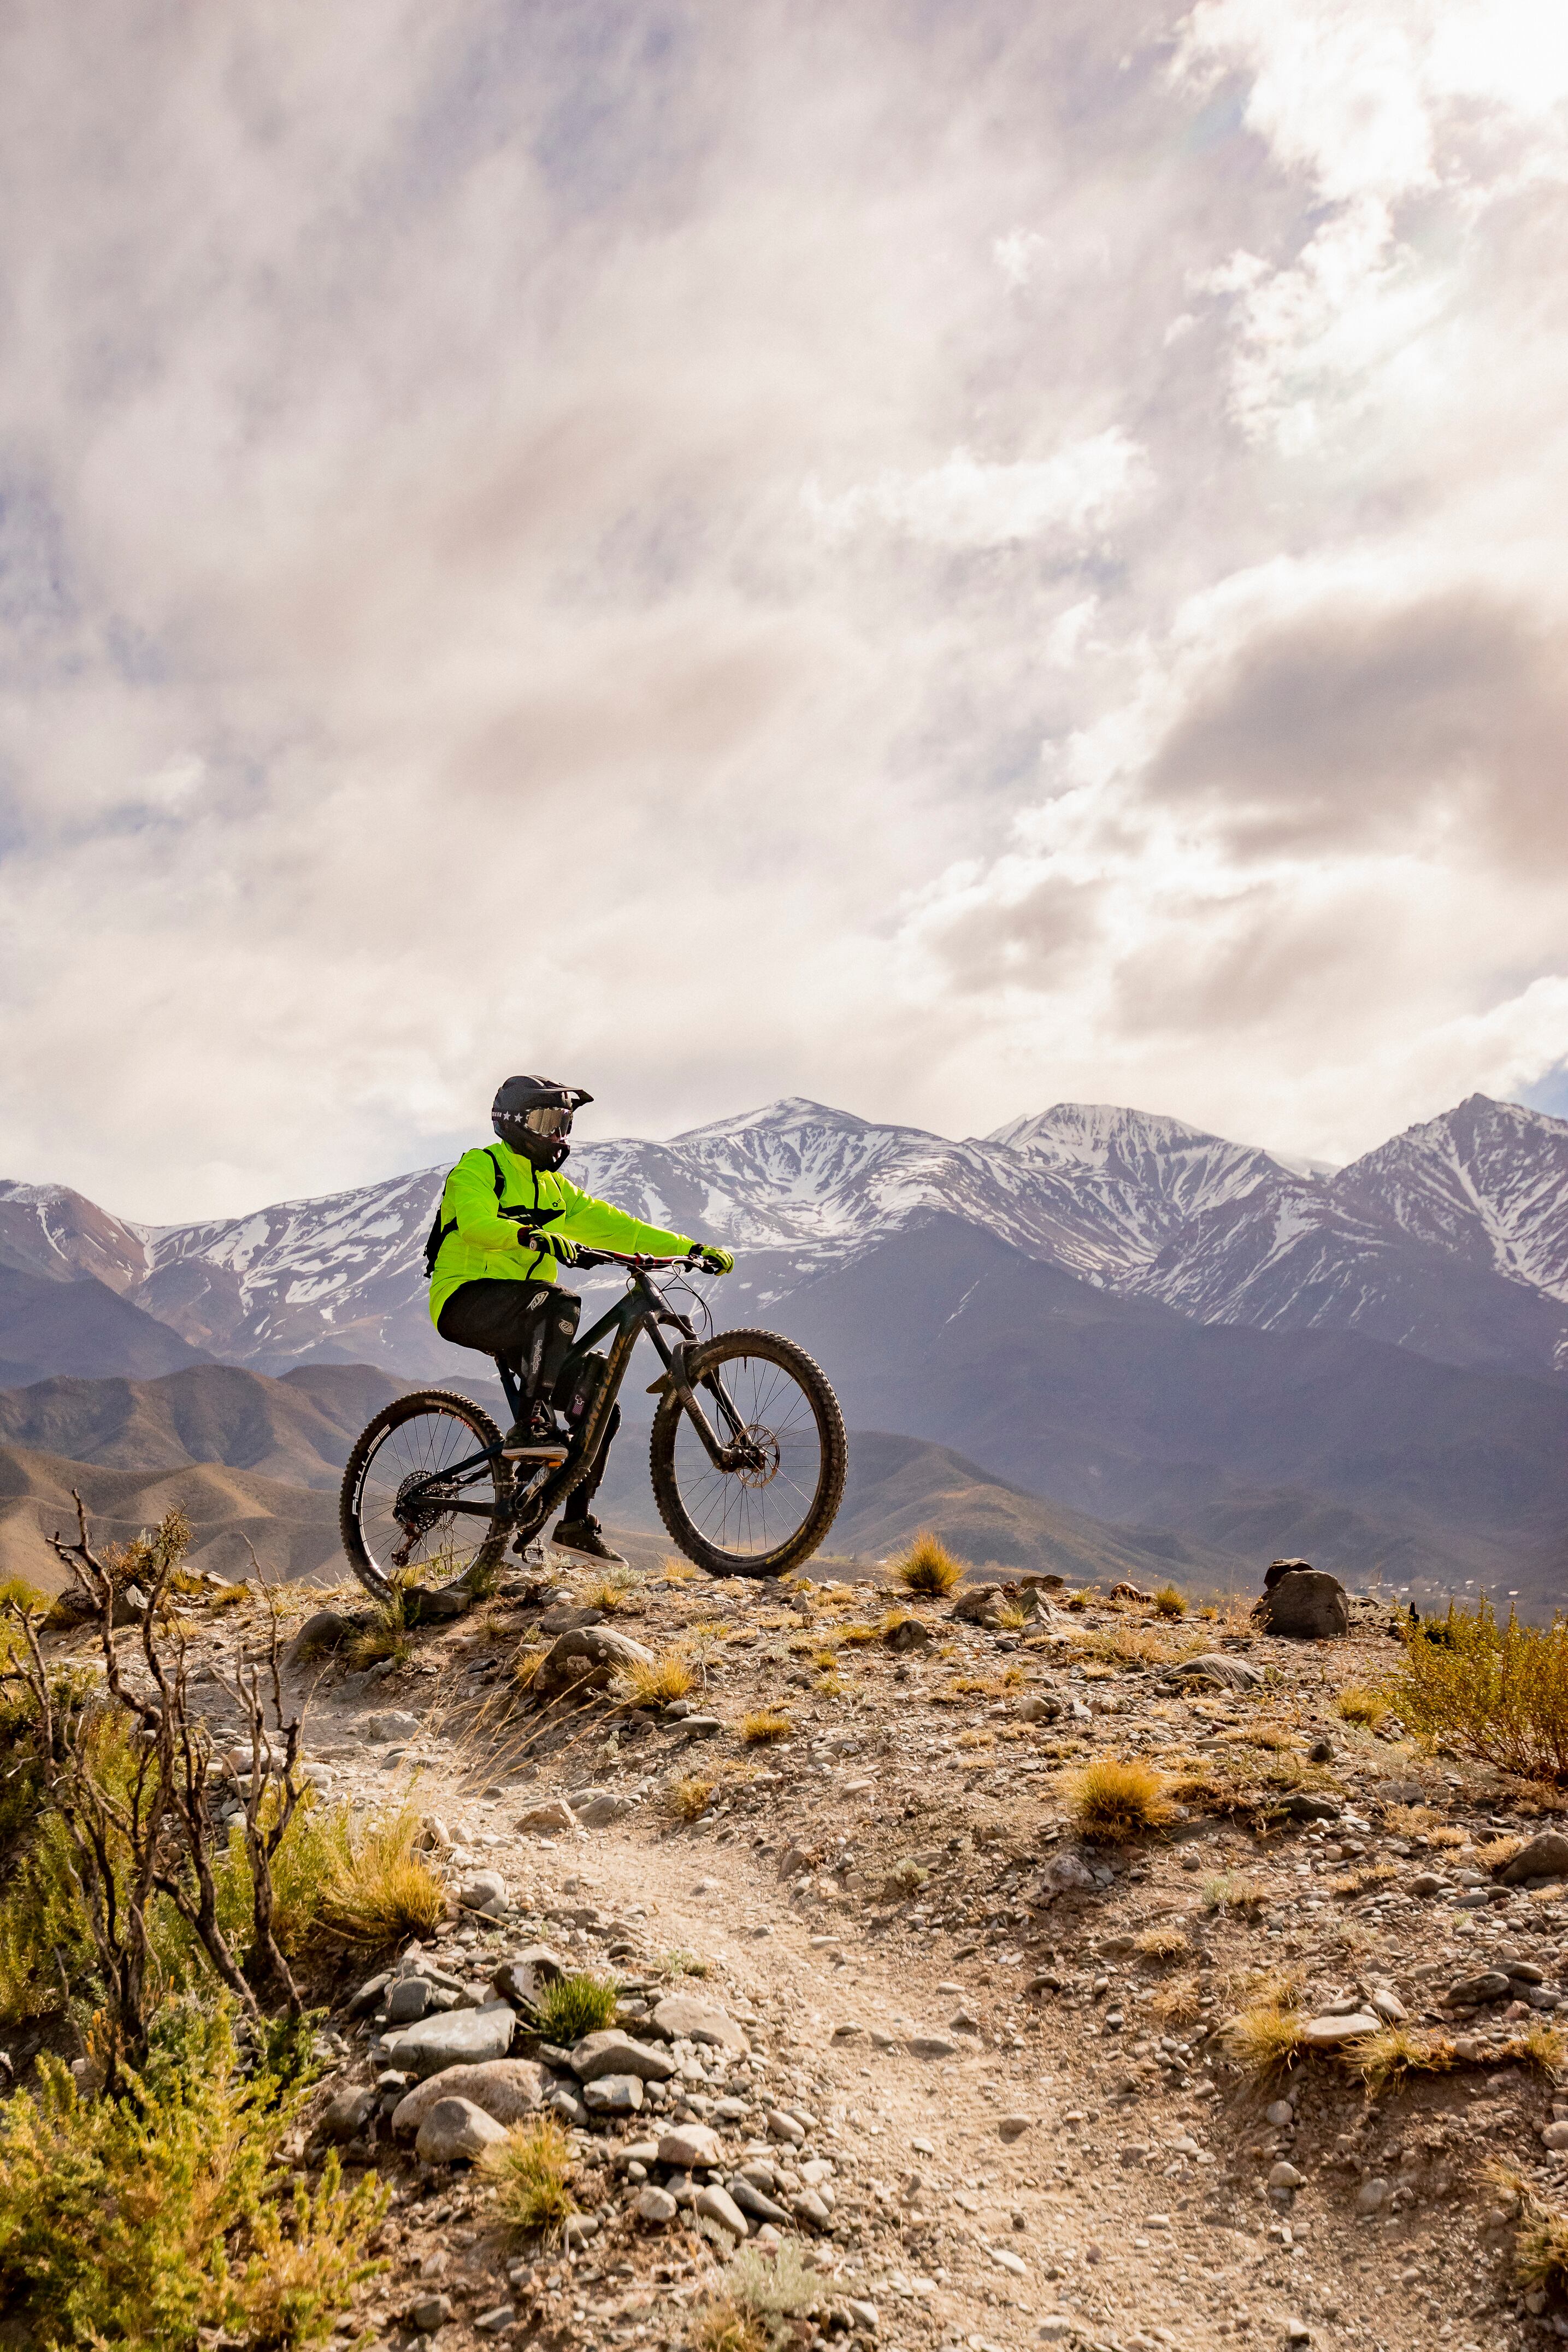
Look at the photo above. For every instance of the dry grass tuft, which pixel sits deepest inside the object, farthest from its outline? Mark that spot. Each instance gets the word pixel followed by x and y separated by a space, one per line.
pixel 1364 1878
pixel 723 2325
pixel 830 1685
pixel 763 1724
pixel 1178 2002
pixel 1544 2047
pixel 529 1657
pixel 927 1566
pixel 654 1682
pixel 1540 2255
pixel 977 1740
pixel 857 1635
pixel 385 1638
pixel 1234 1892
pixel 1117 1797
pixel 1170 1601
pixel 532 2170
pixel 1399 2050
pixel 676 1571
pixel 690 1797
pixel 375 1889
pixel 1166 1940
pixel 1359 1704
pixel 1265 2036
pixel 612 1589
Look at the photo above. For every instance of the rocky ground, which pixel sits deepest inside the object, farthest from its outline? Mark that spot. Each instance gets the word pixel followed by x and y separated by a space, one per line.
pixel 881 2002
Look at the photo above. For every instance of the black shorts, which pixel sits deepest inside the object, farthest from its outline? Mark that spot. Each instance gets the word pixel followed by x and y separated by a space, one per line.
pixel 499 1319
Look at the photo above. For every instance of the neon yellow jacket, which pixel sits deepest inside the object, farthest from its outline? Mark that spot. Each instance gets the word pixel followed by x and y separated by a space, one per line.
pixel 478 1244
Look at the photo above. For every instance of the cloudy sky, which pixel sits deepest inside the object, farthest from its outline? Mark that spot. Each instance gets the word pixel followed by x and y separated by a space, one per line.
pixel 936 557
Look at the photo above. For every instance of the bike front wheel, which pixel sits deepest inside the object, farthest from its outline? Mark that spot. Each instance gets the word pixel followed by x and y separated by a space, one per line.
pixel 772 1403
pixel 410 1514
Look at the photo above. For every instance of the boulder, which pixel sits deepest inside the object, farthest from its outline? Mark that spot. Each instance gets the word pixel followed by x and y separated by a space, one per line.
pixel 612 2095
pixel 690 2145
pixel 588 1659
pixel 978 1606
pixel 1305 1807
pixel 656 2206
pixel 567 1618
pixel 455 2131
pixel 720 2206
pixel 611 2051
pixel 545 1820
pixel 520 1979
pixel 509 2090
pixel 1225 1673
pixel 347 2115
pixel 907 1635
pixel 1471 1991
pixel 1331 2033
pixel 394 1724
pixel 1545 1857
pixel 1125 1591
pixel 1278 1568
pixel 596 1809
pixel 484 1890
pixel 328 1631
pixel 1039 1706
pixel 682 2019
pixel 407 2000
pixel 1306 1604
pixel 462 2037
pixel 756 2204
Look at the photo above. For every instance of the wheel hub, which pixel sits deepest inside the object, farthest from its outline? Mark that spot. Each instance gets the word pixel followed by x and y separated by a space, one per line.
pixel 757 1456
pixel 419 1501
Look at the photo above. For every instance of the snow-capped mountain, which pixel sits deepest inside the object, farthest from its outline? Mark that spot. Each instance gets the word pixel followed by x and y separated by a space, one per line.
pixel 1451 1240
pixel 1486 1182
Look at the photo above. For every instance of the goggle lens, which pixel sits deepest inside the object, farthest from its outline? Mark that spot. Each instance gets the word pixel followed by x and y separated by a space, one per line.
pixel 547 1122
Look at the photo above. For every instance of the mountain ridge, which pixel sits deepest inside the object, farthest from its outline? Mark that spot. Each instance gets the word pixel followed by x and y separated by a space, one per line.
pixel 1450 1239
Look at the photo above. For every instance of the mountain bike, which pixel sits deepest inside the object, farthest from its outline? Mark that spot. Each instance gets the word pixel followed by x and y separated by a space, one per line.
pixel 747 1452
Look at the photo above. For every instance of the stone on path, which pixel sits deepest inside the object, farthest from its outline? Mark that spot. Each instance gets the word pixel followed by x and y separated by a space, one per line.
pixel 1305 1604
pixel 690 2145
pixel 521 1979
pixel 684 2018
pixel 508 2089
pixel 545 1820
pixel 455 2129
pixel 462 2037
pixel 588 1659
pixel 656 2206
pixel 611 2051
pixel 720 2206
pixel 1545 1857
pixel 612 2095
pixel 1329 2032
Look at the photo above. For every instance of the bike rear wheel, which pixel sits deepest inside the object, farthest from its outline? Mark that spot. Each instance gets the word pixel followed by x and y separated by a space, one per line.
pixel 768 1516
pixel 401 1532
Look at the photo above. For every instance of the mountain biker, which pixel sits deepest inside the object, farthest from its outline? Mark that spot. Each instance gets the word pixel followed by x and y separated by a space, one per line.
pixel 506 1218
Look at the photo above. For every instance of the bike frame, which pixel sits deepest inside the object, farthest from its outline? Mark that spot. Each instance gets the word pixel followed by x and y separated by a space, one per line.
pixel 640 1309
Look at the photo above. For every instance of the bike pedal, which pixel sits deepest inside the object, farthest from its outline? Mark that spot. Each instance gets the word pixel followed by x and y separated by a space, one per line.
pixel 544 1450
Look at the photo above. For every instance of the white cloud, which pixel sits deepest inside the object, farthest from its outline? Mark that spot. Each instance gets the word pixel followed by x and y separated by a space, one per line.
pixel 417 658
pixel 967 502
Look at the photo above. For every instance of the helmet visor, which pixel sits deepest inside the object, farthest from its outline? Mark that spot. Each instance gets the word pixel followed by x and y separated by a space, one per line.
pixel 547 1118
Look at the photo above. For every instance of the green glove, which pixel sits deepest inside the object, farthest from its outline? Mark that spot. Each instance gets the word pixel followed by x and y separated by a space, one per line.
pixel 711 1258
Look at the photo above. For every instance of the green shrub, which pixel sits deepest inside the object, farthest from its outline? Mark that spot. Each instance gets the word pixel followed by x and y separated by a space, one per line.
pixel 141 2219
pixel 1496 1692
pixel 570 2007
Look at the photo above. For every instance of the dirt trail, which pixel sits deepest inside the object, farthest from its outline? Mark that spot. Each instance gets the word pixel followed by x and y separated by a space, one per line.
pixel 898 1876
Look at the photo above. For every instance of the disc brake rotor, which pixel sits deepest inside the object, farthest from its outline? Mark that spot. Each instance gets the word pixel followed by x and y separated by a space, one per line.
pixel 762 1447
